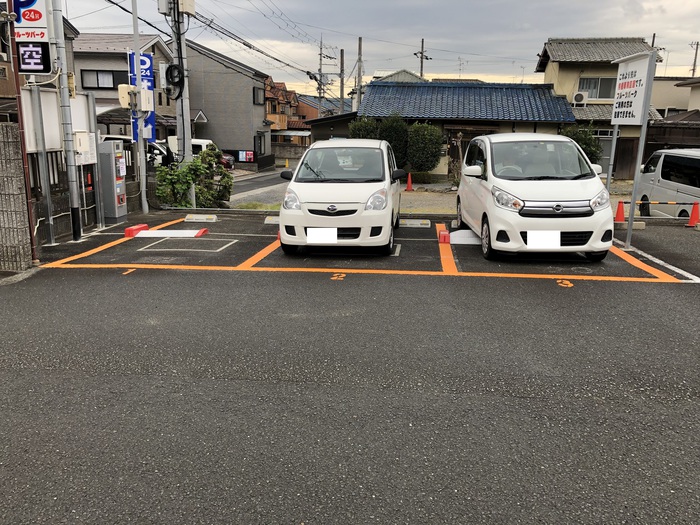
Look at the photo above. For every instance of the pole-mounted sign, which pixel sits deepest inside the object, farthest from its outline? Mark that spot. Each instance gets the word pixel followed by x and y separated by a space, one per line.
pixel 148 86
pixel 32 37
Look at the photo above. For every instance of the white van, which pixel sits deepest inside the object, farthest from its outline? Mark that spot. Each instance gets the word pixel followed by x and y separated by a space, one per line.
pixel 533 192
pixel 198 145
pixel 670 175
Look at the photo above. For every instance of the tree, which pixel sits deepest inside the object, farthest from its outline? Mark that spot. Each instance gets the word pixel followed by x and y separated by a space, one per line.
pixel 584 137
pixel 395 131
pixel 424 147
pixel 364 128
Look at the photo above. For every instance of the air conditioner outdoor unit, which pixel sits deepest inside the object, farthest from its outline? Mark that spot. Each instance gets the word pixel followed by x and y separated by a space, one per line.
pixel 580 98
pixel 3 57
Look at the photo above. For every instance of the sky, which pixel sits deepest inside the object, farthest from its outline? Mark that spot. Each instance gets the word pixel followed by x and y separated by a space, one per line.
pixel 493 40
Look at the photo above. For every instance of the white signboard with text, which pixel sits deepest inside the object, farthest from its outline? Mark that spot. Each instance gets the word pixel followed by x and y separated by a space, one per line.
pixel 630 92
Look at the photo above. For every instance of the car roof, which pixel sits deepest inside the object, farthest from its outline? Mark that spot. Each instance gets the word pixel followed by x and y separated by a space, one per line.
pixel 693 152
pixel 348 143
pixel 524 137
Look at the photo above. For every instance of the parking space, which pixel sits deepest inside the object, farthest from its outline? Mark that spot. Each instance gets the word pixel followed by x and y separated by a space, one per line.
pixel 248 242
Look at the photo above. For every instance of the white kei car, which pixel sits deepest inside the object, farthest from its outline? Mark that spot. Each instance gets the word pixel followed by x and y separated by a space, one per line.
pixel 533 192
pixel 344 192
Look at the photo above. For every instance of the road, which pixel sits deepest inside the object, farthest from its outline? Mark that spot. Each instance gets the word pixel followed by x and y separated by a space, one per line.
pixel 216 380
pixel 256 182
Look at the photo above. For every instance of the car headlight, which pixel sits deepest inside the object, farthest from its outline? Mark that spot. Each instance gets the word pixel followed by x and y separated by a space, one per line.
pixel 505 200
pixel 291 201
pixel 601 201
pixel 377 201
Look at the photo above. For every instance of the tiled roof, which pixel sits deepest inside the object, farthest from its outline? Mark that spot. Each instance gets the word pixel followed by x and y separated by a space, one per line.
pixel 587 50
pixel 112 43
pixel 505 102
pixel 604 112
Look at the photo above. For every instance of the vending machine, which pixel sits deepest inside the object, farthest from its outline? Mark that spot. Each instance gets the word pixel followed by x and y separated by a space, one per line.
pixel 113 180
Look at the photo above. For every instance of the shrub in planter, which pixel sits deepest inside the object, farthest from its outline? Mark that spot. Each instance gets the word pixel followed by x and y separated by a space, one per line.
pixel 212 182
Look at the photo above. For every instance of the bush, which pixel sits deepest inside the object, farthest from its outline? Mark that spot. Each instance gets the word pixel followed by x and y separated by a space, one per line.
pixel 585 138
pixel 212 182
pixel 424 147
pixel 395 131
pixel 364 128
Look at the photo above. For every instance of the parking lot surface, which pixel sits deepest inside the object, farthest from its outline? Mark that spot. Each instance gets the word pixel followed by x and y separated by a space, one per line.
pixel 236 241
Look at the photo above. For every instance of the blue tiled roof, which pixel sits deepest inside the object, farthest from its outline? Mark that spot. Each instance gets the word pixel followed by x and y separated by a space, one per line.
pixel 478 101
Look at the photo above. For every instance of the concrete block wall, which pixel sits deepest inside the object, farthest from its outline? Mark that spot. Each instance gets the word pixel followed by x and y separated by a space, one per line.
pixel 15 239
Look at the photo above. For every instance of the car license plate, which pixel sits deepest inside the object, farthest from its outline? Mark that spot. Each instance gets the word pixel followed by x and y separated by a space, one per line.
pixel 322 235
pixel 544 240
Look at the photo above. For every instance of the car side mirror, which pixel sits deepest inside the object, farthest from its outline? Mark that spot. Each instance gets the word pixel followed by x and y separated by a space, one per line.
pixel 597 169
pixel 472 171
pixel 398 174
pixel 287 174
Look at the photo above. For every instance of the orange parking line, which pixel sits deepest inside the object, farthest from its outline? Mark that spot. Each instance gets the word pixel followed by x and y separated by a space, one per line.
pixel 99 249
pixel 255 259
pixel 449 266
pixel 429 273
pixel 663 276
pixel 447 259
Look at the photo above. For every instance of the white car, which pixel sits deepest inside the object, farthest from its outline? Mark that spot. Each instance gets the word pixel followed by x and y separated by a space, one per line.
pixel 533 192
pixel 344 192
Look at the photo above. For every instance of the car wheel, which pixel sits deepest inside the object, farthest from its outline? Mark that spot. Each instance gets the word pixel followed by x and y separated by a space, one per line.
pixel 596 256
pixel 486 249
pixel 388 248
pixel 683 214
pixel 644 209
pixel 460 223
pixel 289 249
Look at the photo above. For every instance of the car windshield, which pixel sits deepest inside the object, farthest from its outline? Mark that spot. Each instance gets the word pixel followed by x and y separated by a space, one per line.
pixel 541 160
pixel 342 165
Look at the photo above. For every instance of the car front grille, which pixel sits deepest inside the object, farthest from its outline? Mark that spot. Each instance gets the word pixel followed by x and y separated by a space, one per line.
pixel 568 238
pixel 553 209
pixel 338 213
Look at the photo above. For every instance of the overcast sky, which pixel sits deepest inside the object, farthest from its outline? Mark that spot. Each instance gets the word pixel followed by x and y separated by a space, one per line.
pixel 493 40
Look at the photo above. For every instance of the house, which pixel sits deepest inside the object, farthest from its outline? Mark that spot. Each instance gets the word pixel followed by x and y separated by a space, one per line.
pixel 101 64
pixel 232 95
pixel 679 129
pixel 581 70
pixel 459 109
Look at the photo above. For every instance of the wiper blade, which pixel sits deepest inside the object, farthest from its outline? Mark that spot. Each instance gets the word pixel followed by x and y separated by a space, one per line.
pixel 583 176
pixel 308 167
pixel 543 177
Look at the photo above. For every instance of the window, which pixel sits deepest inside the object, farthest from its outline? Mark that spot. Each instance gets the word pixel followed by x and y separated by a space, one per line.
pixel 259 141
pixel 258 96
pixel 681 170
pixel 94 79
pixel 475 156
pixel 603 87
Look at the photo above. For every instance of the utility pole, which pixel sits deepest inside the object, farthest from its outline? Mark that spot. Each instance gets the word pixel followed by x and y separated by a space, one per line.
pixel 695 60
pixel 320 77
pixel 184 131
pixel 358 82
pixel 140 143
pixel 342 81
pixel 421 54
pixel 67 122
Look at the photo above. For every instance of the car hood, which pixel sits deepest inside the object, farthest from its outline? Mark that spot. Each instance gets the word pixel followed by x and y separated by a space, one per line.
pixel 335 192
pixel 552 190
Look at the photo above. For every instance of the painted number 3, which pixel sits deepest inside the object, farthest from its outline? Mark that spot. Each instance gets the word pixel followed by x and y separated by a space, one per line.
pixel 565 284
